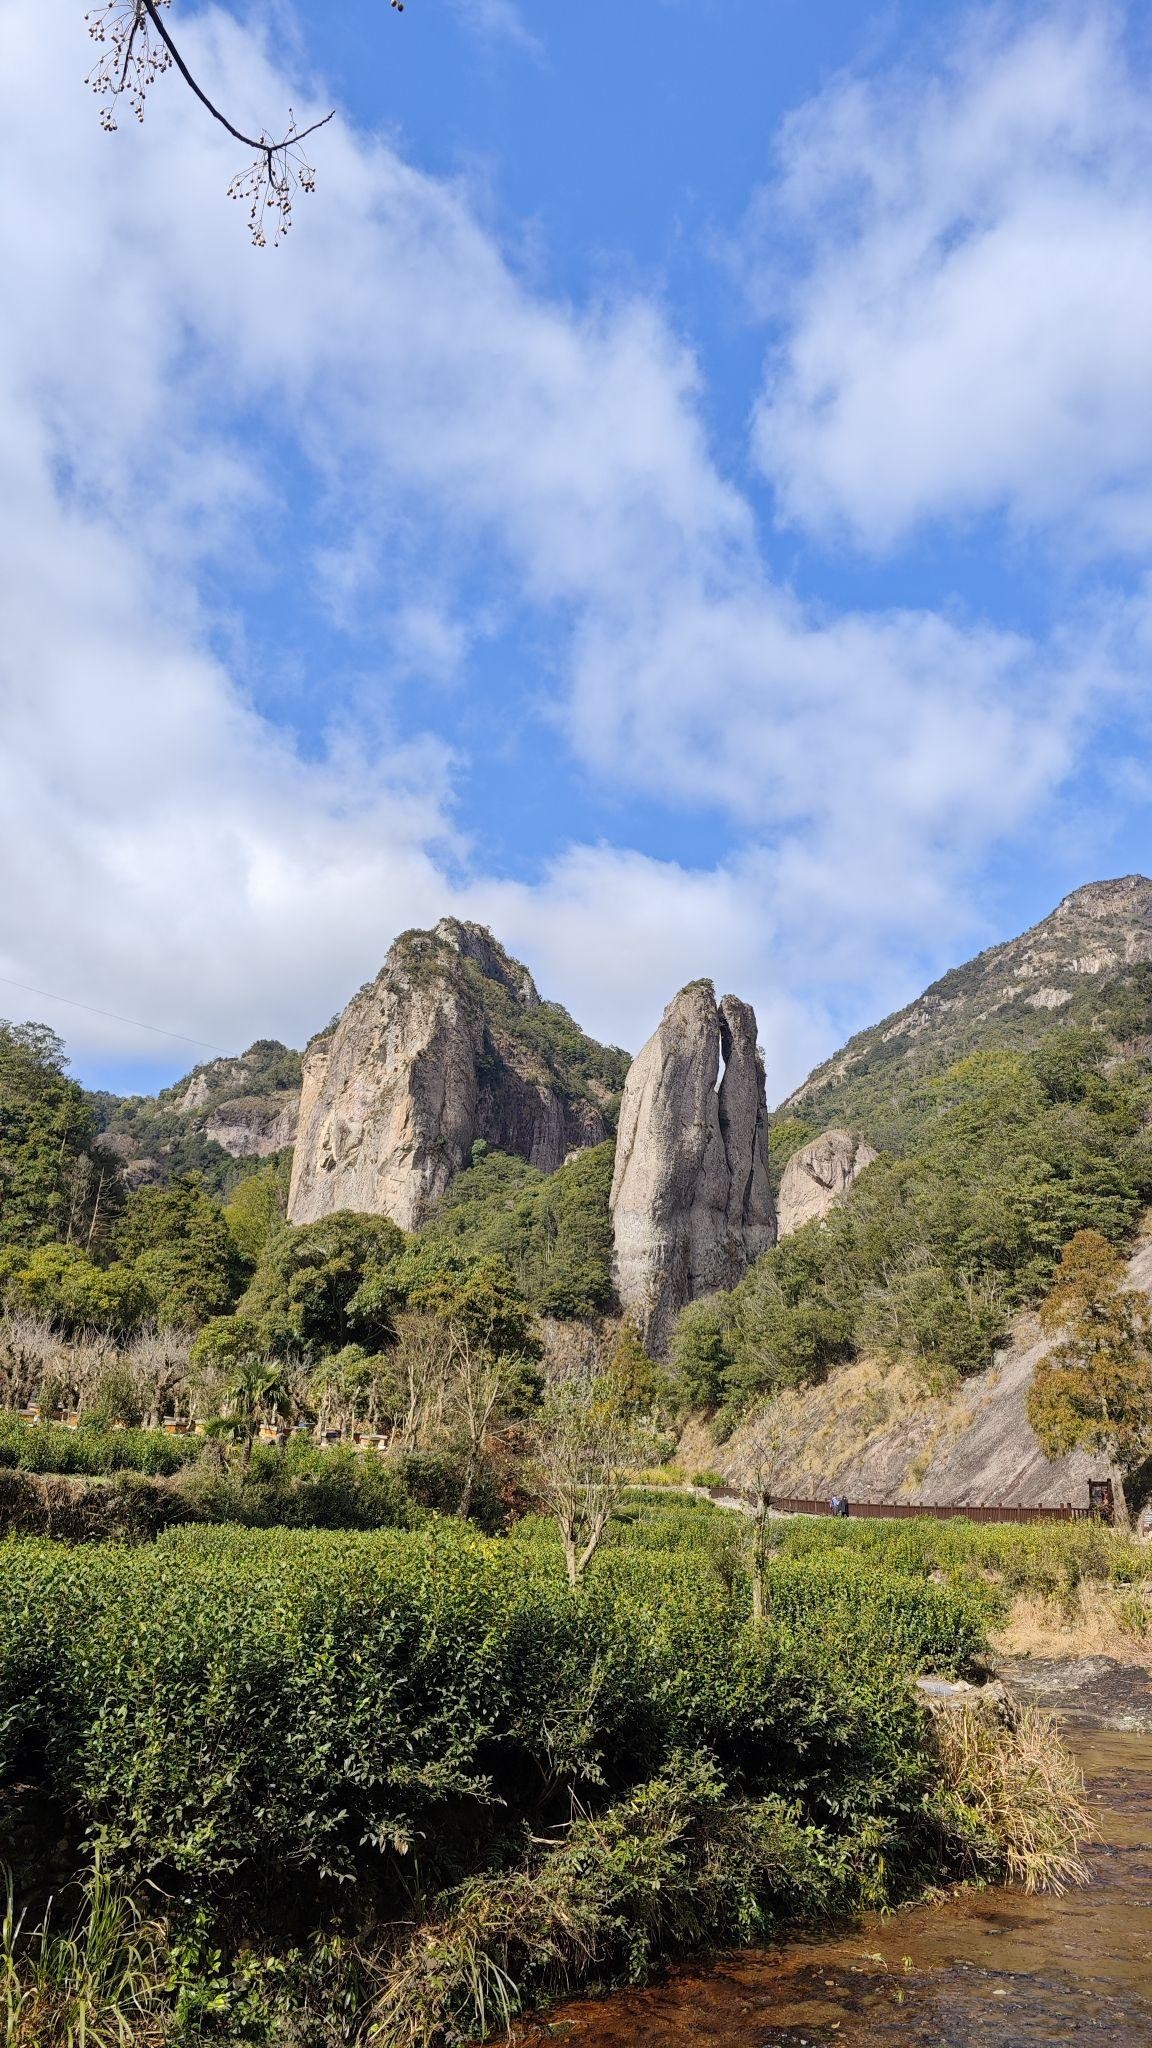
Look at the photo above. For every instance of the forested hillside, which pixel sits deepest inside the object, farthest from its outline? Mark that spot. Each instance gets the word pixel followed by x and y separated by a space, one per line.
pixel 1007 1155
pixel 212 1122
pixel 1085 966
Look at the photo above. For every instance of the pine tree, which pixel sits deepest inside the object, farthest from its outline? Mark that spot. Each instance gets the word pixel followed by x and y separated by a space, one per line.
pixel 1093 1389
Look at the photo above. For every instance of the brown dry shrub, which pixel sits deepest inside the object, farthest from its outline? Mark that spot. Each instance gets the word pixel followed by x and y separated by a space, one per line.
pixel 1012 1798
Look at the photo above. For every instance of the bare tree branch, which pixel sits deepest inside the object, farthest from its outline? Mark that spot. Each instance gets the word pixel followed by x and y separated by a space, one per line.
pixel 133 58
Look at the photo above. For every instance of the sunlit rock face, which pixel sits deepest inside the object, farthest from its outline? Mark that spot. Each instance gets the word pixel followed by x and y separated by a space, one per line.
pixel 691 1200
pixel 425 1060
pixel 818 1176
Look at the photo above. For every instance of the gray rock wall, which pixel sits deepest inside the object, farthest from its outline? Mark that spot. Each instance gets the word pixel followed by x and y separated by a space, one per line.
pixel 691 1201
pixel 818 1176
pixel 395 1096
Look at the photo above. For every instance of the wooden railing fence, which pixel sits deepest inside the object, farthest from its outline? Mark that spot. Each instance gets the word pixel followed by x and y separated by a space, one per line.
pixel 899 1511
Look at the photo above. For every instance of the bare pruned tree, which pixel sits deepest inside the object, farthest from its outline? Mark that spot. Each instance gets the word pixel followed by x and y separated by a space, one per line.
pixel 769 1456
pixel 587 1443
pixel 29 1350
pixel 158 1360
pixel 136 47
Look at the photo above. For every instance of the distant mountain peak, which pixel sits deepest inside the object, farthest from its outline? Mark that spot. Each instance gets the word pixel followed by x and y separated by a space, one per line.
pixel 1008 996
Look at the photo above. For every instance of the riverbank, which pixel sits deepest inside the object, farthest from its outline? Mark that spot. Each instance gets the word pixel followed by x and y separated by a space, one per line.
pixel 979 1969
pixel 392 1785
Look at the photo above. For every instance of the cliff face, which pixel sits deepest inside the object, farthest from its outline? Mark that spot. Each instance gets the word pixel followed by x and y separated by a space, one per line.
pixel 818 1176
pixel 255 1126
pixel 451 1043
pixel 691 1202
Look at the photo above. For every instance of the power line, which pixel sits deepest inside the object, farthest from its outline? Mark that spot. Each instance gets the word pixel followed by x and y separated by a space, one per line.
pixel 113 1015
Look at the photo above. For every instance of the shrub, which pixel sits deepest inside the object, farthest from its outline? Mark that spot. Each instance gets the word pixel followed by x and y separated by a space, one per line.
pixel 358 1758
pixel 299 1487
pixel 127 1509
pixel 1011 1801
pixel 91 1450
pixel 1132 1616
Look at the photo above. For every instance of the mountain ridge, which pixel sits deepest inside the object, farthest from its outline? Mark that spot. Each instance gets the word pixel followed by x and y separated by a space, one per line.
pixel 1063 970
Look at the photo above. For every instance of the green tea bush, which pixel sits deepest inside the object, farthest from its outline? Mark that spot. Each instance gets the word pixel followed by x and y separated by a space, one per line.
pixel 50 1447
pixel 233 1710
pixel 1047 1558
pixel 351 1763
pixel 303 1486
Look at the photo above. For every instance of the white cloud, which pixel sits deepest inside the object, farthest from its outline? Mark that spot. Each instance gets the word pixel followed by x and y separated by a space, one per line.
pixel 171 854
pixel 971 329
pixel 500 20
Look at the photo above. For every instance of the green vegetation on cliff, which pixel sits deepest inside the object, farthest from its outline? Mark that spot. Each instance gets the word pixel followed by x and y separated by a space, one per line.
pixel 576 1064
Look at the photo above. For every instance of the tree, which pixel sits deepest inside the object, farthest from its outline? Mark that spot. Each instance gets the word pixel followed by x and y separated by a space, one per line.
pixel 302 1294
pixel 257 1392
pixel 255 1210
pixel 29 1347
pixel 586 1444
pixel 486 1388
pixel 640 1384
pixel 54 1183
pixel 1093 1389
pixel 351 1387
pixel 478 1294
pixel 77 1296
pixel 158 1359
pixel 552 1230
pixel 769 1459
pixel 419 1362
pixel 180 1248
pixel 136 47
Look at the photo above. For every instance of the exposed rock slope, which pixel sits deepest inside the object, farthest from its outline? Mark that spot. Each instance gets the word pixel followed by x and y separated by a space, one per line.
pixel 818 1176
pixel 451 1043
pixel 869 1434
pixel 691 1201
pixel 247 1105
pixel 1064 970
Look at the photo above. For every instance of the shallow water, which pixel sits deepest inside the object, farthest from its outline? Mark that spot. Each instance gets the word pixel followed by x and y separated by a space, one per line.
pixel 983 1970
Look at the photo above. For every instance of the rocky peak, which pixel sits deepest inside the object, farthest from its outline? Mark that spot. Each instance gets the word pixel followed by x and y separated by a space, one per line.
pixel 691 1202
pixel 475 942
pixel 452 1042
pixel 268 1067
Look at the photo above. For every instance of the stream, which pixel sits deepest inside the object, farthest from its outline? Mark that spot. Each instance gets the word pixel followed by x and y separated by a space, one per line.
pixel 989 1969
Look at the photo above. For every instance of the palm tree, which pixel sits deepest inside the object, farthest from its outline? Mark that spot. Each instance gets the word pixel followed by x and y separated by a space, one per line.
pixel 257 1392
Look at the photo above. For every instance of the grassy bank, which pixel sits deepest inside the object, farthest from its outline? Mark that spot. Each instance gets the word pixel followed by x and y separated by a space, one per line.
pixel 89 1484
pixel 383 1788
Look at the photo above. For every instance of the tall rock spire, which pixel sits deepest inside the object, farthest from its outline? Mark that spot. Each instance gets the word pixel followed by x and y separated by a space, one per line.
pixel 691 1200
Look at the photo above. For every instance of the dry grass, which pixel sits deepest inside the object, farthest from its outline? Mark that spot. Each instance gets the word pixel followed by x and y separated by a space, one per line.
pixel 1103 1623
pixel 97 1984
pixel 1015 1798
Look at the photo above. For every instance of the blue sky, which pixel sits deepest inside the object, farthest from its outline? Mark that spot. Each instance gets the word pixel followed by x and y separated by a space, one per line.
pixel 682 493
